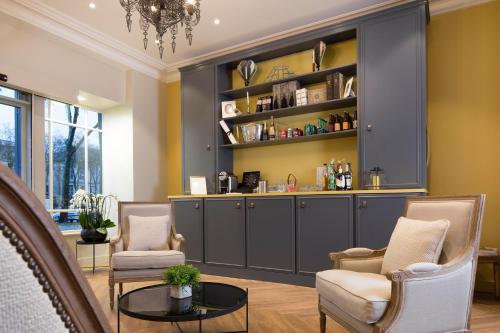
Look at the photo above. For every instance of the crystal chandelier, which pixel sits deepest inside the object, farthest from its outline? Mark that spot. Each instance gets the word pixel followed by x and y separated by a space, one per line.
pixel 164 15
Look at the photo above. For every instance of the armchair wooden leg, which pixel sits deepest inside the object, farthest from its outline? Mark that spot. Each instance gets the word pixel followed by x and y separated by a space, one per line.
pixel 111 292
pixel 322 322
pixel 120 288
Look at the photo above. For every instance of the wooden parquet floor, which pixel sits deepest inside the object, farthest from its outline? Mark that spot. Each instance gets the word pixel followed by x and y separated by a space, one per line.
pixel 274 308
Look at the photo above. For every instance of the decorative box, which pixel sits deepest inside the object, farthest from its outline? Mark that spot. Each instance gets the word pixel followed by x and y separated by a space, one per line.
pixel 316 95
pixel 301 96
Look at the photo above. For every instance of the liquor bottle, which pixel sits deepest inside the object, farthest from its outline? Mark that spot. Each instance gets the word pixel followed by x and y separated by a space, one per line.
pixel 348 177
pixel 275 104
pixel 284 102
pixel 346 124
pixel 338 123
pixel 291 101
pixel 340 179
pixel 331 176
pixel 331 124
pixel 271 133
pixel 258 108
pixel 355 120
pixel 265 136
pixel 324 182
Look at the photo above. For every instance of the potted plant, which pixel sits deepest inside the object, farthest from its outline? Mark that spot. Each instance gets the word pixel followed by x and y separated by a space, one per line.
pixel 181 279
pixel 93 215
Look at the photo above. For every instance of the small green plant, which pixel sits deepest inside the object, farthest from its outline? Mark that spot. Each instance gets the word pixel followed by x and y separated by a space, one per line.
pixel 182 275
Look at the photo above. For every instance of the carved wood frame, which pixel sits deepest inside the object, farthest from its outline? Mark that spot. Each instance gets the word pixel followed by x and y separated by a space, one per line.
pixel 32 231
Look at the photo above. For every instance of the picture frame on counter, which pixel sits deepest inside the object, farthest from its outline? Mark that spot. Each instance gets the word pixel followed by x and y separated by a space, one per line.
pixel 198 185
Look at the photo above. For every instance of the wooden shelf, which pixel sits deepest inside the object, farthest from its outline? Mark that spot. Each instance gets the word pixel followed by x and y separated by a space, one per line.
pixel 293 111
pixel 326 136
pixel 304 79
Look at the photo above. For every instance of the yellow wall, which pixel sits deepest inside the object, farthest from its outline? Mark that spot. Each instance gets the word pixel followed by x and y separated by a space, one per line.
pixel 174 139
pixel 464 109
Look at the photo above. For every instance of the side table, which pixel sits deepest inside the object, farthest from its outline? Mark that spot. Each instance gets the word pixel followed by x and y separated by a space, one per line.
pixel 495 260
pixel 82 242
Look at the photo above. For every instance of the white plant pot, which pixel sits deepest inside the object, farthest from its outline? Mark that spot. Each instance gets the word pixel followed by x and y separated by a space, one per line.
pixel 180 291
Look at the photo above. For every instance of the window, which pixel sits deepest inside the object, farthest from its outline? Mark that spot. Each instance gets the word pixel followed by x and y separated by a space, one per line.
pixel 15 131
pixel 73 158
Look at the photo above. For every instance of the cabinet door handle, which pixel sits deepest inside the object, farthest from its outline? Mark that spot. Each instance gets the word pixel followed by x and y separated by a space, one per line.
pixel 303 204
pixel 197 205
pixel 252 205
pixel 238 205
pixel 363 204
pixel 208 147
pixel 369 128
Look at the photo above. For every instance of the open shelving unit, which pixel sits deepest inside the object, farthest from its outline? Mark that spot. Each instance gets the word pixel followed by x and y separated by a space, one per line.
pixel 293 111
pixel 304 79
pixel 307 138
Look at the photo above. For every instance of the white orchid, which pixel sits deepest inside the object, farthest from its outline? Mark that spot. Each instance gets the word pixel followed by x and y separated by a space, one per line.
pixel 94 209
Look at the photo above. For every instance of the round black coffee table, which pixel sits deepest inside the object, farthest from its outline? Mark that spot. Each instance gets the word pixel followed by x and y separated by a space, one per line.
pixel 209 300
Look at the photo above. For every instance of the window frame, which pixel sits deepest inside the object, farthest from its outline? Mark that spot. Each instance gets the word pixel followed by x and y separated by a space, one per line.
pixel 24 135
pixel 49 121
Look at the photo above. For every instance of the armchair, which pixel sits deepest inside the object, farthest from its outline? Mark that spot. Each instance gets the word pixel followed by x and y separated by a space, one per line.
pixel 134 266
pixel 423 297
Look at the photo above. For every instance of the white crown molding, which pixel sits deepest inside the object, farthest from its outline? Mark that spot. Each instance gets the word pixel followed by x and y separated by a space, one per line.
pixel 55 22
pixel 49 19
pixel 444 6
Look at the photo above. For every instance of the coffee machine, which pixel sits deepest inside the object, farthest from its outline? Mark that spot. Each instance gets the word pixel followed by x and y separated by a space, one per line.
pixel 228 182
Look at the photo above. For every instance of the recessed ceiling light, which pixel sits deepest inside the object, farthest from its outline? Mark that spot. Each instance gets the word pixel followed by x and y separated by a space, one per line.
pixel 217 21
pixel 80 98
pixel 92 5
pixel 154 9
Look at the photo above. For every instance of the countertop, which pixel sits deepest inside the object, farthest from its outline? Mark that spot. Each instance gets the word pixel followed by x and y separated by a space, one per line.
pixel 381 191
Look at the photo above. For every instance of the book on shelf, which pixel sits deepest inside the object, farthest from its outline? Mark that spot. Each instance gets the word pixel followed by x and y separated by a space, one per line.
pixel 228 132
pixel 335 86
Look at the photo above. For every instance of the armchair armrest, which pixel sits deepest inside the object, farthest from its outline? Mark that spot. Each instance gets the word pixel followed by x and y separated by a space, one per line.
pixel 438 293
pixel 116 244
pixel 358 259
pixel 177 242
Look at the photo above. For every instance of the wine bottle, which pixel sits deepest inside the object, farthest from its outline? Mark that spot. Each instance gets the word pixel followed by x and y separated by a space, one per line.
pixel 331 176
pixel 348 177
pixel 338 123
pixel 265 136
pixel 340 179
pixel 271 133
pixel 331 123
pixel 346 124
pixel 324 182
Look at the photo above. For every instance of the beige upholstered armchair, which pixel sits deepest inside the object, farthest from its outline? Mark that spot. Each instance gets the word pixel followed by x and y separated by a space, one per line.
pixel 42 287
pixel 419 298
pixel 131 261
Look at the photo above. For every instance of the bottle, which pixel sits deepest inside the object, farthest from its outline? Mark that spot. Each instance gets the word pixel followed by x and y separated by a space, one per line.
pixel 258 108
pixel 340 179
pixel 291 101
pixel 331 124
pixel 346 124
pixel 265 136
pixel 348 177
pixel 324 182
pixel 338 123
pixel 275 104
pixel 271 133
pixel 284 102
pixel 355 120
pixel 331 176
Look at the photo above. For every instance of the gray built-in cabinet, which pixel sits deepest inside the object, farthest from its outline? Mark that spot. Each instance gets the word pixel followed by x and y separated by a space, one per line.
pixel 391 97
pixel 189 214
pixel 198 132
pixel 271 233
pixel 283 238
pixel 225 231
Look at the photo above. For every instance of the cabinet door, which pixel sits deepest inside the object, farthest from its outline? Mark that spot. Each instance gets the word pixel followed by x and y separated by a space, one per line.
pixel 271 233
pixel 188 215
pixel 198 125
pixel 392 98
pixel 225 231
pixel 376 217
pixel 324 225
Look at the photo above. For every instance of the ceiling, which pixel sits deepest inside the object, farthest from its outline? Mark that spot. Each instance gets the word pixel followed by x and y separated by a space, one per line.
pixel 241 21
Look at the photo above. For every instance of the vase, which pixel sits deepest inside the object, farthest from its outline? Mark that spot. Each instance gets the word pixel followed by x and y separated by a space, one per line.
pixel 92 236
pixel 180 291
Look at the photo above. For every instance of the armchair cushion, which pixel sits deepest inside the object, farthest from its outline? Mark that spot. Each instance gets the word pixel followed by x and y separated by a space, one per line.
pixel 149 233
pixel 126 260
pixel 414 241
pixel 365 296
